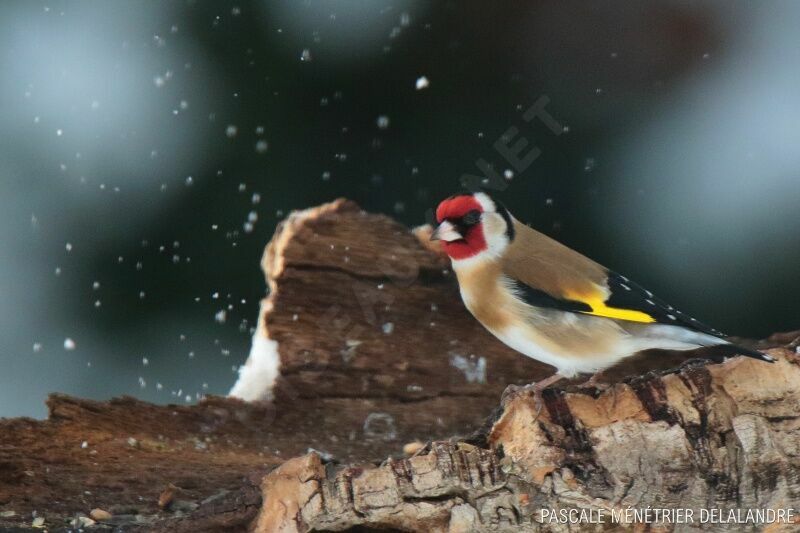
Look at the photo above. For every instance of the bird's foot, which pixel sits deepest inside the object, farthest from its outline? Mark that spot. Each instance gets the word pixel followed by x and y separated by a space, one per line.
pixel 595 382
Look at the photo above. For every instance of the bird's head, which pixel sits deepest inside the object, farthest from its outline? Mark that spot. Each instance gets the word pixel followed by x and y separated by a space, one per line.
pixel 473 225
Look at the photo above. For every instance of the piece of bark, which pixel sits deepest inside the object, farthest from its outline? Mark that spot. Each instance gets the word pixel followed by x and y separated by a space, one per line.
pixel 134 449
pixel 707 437
pixel 119 456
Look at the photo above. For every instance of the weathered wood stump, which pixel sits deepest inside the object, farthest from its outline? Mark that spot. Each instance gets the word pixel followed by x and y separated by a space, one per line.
pixel 717 437
pixel 363 346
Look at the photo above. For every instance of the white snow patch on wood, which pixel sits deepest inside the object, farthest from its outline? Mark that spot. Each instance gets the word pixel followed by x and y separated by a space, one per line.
pixel 257 376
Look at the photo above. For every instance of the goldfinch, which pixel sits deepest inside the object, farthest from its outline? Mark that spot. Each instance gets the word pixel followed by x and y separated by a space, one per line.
pixel 553 304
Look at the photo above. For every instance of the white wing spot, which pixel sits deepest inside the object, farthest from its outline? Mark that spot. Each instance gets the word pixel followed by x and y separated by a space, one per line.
pixel 625 287
pixel 651 302
pixel 671 317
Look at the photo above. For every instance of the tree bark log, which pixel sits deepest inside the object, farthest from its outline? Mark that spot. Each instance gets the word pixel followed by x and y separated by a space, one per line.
pixel 707 437
pixel 362 347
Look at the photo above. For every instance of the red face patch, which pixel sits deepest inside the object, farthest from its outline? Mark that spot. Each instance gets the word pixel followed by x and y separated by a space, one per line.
pixel 453 210
pixel 456 207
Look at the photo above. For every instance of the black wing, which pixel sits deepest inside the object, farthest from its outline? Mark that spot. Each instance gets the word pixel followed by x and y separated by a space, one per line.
pixel 625 294
pixel 629 296
pixel 538 298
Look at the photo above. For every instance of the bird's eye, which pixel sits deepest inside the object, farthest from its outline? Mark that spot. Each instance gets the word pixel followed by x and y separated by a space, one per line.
pixel 471 218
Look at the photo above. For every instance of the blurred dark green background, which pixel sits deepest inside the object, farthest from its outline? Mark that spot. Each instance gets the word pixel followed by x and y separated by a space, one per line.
pixel 149 148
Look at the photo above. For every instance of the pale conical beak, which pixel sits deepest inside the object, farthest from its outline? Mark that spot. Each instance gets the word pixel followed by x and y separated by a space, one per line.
pixel 446 232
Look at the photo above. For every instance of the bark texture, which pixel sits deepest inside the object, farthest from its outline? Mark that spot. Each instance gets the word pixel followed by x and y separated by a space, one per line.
pixel 363 346
pixel 721 436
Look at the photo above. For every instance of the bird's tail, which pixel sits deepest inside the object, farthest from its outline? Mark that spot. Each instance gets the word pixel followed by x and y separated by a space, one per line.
pixel 720 348
pixel 714 347
pixel 731 350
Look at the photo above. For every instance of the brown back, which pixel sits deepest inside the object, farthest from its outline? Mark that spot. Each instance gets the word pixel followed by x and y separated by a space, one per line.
pixel 547 265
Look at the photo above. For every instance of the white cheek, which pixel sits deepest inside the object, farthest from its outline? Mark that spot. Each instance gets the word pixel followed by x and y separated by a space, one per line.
pixel 496 242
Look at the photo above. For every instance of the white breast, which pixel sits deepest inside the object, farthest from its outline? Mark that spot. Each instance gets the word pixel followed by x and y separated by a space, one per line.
pixel 524 340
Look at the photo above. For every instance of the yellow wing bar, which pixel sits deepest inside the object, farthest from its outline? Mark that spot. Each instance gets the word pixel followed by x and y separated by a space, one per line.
pixel 599 308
